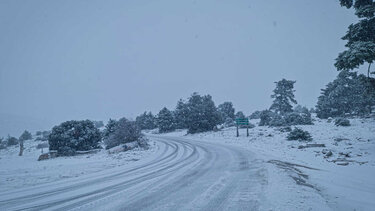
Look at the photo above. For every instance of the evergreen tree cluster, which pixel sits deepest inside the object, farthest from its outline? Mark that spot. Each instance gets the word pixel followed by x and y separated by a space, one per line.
pixel 72 136
pixel 348 94
pixel 197 114
pixel 146 121
pixel 281 112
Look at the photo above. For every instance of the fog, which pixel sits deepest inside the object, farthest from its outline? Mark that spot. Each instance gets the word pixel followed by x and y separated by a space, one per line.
pixel 63 60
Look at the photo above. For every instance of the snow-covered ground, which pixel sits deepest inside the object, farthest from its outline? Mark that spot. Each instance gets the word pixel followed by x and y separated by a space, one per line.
pixel 343 181
pixel 279 175
pixel 23 171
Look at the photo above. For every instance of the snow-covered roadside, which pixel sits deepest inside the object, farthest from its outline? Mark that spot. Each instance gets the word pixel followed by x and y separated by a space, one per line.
pixel 323 184
pixel 23 171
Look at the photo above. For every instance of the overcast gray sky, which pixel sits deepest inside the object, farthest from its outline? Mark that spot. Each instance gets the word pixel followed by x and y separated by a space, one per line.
pixel 74 59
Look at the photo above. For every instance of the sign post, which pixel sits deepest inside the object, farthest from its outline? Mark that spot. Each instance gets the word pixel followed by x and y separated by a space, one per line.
pixel 242 121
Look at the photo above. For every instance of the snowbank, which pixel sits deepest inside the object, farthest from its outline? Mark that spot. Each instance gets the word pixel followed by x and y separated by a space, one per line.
pixel 22 171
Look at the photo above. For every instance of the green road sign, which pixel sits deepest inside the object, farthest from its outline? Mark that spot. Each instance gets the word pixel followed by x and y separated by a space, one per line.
pixel 242 121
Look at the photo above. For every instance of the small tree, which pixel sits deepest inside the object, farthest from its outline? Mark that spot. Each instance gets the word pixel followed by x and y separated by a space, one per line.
pixel 109 128
pixel 26 135
pixel 181 114
pixel 283 96
pixel 226 111
pixel 165 121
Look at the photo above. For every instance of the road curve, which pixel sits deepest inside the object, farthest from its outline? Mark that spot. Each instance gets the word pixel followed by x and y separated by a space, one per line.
pixel 183 175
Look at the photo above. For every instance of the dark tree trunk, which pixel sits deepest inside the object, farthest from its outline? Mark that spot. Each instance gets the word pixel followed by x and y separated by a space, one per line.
pixel 21 148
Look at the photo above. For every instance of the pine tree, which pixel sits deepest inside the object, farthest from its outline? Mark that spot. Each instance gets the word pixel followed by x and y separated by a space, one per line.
pixel 283 96
pixel 109 128
pixel 226 111
pixel 360 37
pixel 180 114
pixel 202 113
pixel 347 94
pixel 26 135
pixel 146 121
pixel 165 121
pixel 72 136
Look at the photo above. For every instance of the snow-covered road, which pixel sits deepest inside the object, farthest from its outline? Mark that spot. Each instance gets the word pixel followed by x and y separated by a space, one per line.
pixel 181 175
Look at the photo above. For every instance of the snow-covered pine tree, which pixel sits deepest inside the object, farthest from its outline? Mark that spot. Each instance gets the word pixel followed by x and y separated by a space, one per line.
pixel 347 94
pixel 165 120
pixel 110 127
pixel 226 111
pixel 26 135
pixel 360 37
pixel 283 96
pixel 181 114
pixel 146 121
pixel 72 136
pixel 202 114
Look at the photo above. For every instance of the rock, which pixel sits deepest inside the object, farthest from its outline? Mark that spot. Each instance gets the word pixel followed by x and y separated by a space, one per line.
pixel 345 154
pixel 44 156
pixel 341 139
pixel 311 145
pixel 342 163
pixel 328 154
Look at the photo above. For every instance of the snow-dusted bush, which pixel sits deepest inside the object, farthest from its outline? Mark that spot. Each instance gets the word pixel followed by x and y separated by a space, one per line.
pixel 11 141
pixel 124 132
pixel 277 121
pixel 299 134
pixel 3 144
pixel 285 129
pixel 229 122
pixel 143 143
pixel 72 136
pixel 294 118
pixel 269 118
pixel 342 122
pixel 266 117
